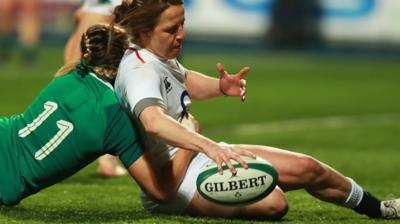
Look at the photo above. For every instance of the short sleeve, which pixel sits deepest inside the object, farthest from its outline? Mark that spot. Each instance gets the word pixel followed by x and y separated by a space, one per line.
pixel 138 86
pixel 121 138
pixel 182 69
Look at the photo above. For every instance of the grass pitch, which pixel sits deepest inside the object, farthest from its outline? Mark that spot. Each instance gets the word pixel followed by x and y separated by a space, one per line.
pixel 343 110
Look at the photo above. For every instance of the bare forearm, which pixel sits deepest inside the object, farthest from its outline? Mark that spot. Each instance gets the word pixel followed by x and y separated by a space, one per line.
pixel 202 87
pixel 174 171
pixel 166 128
pixel 148 177
pixel 176 135
pixel 157 123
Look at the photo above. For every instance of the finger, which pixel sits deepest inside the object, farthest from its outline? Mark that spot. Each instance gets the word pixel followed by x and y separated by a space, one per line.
pixel 219 165
pixel 243 92
pixel 231 167
pixel 243 97
pixel 245 152
pixel 221 70
pixel 241 161
pixel 244 71
pixel 243 83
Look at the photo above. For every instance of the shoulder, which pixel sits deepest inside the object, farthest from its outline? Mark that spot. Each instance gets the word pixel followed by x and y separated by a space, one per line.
pixel 62 84
pixel 137 64
pixel 137 56
pixel 147 58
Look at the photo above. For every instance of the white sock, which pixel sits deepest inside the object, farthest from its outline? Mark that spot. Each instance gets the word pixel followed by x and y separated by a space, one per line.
pixel 355 196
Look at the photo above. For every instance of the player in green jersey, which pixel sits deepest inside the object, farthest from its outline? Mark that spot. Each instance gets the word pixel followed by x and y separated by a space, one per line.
pixel 74 120
pixel 90 13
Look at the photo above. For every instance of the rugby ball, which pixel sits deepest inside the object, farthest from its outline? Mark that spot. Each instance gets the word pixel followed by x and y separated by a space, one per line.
pixel 247 186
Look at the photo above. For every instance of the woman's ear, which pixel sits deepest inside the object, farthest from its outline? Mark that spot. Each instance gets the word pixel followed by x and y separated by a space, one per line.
pixel 148 34
pixel 144 38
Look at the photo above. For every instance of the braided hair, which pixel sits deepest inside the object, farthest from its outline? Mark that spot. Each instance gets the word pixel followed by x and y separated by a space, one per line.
pixel 102 48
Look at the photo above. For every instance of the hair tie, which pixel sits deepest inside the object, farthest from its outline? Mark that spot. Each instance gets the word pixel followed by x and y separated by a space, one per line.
pixel 83 68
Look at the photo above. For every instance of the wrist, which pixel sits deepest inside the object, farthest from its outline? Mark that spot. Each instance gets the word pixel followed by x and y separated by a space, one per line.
pixel 221 90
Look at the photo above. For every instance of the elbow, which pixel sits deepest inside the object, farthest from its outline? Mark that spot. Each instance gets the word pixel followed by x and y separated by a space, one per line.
pixel 164 197
pixel 152 128
pixel 151 123
pixel 167 192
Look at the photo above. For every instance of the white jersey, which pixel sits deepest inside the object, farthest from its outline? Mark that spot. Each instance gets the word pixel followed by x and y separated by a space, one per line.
pixel 145 80
pixel 104 7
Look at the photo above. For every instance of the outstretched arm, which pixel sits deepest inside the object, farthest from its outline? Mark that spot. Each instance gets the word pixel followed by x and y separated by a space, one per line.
pixel 157 123
pixel 162 183
pixel 201 86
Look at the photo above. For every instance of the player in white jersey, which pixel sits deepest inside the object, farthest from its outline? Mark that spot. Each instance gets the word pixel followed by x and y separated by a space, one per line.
pixel 104 7
pixel 90 13
pixel 159 82
pixel 156 90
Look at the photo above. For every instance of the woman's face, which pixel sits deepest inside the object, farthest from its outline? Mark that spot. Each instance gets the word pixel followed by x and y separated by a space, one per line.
pixel 166 39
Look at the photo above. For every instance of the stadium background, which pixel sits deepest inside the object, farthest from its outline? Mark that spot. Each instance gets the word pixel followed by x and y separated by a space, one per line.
pixel 324 81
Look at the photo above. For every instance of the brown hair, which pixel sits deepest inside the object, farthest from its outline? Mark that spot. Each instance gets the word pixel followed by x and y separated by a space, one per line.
pixel 102 48
pixel 141 15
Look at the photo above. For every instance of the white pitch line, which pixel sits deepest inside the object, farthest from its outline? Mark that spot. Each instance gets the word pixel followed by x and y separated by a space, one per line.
pixel 335 122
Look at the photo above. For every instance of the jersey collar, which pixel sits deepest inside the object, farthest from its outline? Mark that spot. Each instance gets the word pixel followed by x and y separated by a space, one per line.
pixel 104 82
pixel 147 52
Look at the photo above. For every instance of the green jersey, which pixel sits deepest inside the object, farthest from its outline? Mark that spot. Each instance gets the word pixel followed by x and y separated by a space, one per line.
pixel 73 121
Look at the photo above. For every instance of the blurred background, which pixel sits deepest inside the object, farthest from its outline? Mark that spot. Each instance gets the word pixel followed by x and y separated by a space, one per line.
pixel 281 24
pixel 301 23
pixel 324 80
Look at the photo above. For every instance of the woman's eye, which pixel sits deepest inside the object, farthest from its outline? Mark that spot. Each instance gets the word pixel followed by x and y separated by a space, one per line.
pixel 172 30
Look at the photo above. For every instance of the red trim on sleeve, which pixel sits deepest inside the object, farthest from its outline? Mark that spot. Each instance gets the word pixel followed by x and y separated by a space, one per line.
pixel 137 54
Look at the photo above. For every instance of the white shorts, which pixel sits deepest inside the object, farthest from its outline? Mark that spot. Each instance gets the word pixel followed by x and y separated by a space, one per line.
pixel 186 190
pixel 96 6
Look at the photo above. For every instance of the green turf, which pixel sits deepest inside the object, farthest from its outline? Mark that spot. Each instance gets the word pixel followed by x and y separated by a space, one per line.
pixel 343 110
